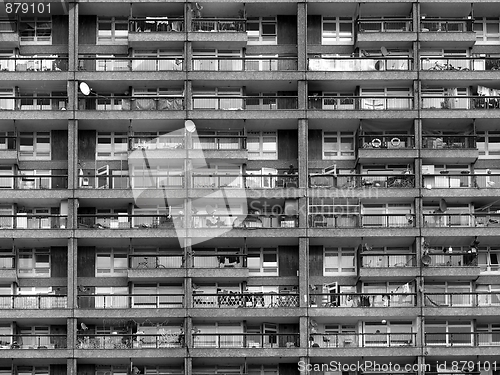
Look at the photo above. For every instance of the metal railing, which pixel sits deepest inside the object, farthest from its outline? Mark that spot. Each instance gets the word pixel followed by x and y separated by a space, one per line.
pixel 460 102
pixel 125 301
pixel 33 64
pixel 250 300
pixel 446 25
pixel 33 221
pixel 452 260
pixel 130 341
pixel 362 340
pixel 151 261
pixel 346 220
pixel 363 299
pixel 460 63
pixel 34 182
pixel 462 339
pixel 219 24
pixel 464 219
pixel 354 181
pixel 461 180
pixel 358 64
pixel 33 103
pixel 246 340
pixel 7 26
pixel 38 301
pixel 154 142
pixel 449 141
pixel 218 260
pixel 8 143
pixel 156 24
pixel 245 221
pixel 220 142
pixel 25 341
pixel 238 64
pixel 381 141
pixel 383 260
pixel 480 299
pixel 132 103
pixel 245 102
pixel 130 64
pixel 146 181
pixel 7 262
pixel 369 103
pixel 257 181
pixel 384 25
pixel 129 221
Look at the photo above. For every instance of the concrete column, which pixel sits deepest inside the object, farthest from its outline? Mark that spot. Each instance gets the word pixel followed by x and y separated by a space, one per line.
pixel 302 93
pixel 72 85
pixel 302 36
pixel 73 170
pixel 72 213
pixel 304 331
pixel 303 133
pixel 188 96
pixel 303 271
pixel 302 365
pixel 71 326
pixel 72 273
pixel 71 366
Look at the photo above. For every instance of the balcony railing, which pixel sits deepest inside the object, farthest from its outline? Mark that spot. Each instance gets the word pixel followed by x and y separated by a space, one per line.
pixel 384 25
pixel 439 220
pixel 332 220
pixel 153 142
pixel 462 338
pixel 130 64
pixel 38 301
pixel 220 142
pixel 362 340
pixel 245 102
pixel 358 64
pixel 461 180
pixel 219 25
pixel 270 181
pixel 125 301
pixel 203 259
pixel 481 299
pixel 369 103
pixel 238 64
pixel 128 221
pixel 446 25
pixel 33 64
pixel 355 181
pixel 381 141
pixel 7 262
pixel 250 221
pixel 151 261
pixel 132 103
pixel 147 181
pixel 33 103
pixel 130 341
pixel 383 260
pixel 8 143
pixel 449 141
pixel 246 300
pixel 363 300
pixel 155 24
pixel 34 182
pixel 460 102
pixel 460 63
pixel 32 221
pixel 246 340
pixel 452 260
pixel 25 341
pixel 7 26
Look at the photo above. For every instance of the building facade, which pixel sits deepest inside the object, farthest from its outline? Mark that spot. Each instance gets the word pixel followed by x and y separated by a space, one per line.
pixel 261 188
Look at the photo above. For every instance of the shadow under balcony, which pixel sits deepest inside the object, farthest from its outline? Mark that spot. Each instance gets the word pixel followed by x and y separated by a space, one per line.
pixel 448 265
pixel 452 32
pixel 372 32
pixel 385 266
pixel 442 149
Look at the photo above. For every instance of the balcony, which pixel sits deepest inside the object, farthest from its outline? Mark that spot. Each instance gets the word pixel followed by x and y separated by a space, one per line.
pixel 130 64
pixel 345 220
pixel 130 341
pixel 9 36
pixel 384 32
pixel 32 221
pixel 235 103
pixel 153 31
pixel 450 220
pixel 361 103
pixel 462 102
pixel 8 149
pixel 254 182
pixel 394 146
pixel 451 260
pixel 246 340
pixel 127 301
pixel 34 182
pixel 132 103
pixel 37 302
pixel 383 265
pixel 462 299
pixel 8 272
pixel 245 64
pixel 128 221
pixel 358 64
pixel 453 32
pixel 246 300
pixel 461 180
pixel 219 25
pixel 250 221
pixel 360 181
pixel 362 340
pixel 454 64
pixel 457 339
pixel 24 341
pixel 33 64
pixel 363 300
pixel 443 148
pixel 154 261
pixel 33 103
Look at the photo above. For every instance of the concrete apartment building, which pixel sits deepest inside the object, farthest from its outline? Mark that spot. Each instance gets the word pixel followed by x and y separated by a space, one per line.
pixel 357 147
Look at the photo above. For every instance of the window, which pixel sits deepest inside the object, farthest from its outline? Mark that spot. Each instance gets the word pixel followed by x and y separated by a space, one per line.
pixel 34 263
pixel 31 181
pixel 339 260
pixel 487 30
pixel 169 175
pixel 157 296
pixel 111 370
pixel 111 262
pixel 230 60
pixel 32 370
pixel 262 30
pixel 337 30
pixel 448 294
pixel 489 259
pixel 112 30
pixel 263 370
pixel 6 219
pixel 223 98
pixel 34 146
pixel 391 334
pixel 37 30
pixel 35 337
pixel 263 262
pixel 488 144
pixel 6 182
pixel 448 333
pixel 113 297
pixel 111 145
pixel 262 145
pixel 337 145
pixel 385 98
pixel 157 60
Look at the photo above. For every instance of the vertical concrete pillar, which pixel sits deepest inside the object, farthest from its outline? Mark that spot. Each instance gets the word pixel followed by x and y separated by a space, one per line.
pixel 302 36
pixel 303 150
pixel 73 170
pixel 304 331
pixel 303 272
pixel 72 273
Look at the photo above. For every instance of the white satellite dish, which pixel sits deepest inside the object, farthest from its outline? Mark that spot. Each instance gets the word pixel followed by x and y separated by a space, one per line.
pixel 84 88
pixel 384 51
pixel 190 126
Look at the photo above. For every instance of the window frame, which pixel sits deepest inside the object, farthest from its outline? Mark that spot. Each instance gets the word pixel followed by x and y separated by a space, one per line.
pixel 261 153
pixel 271 269
pixel 114 269
pixel 112 39
pixel 482 35
pixel 35 152
pixel 338 39
pixel 33 271
pixel 36 39
pixel 339 135
pixel 340 252
pixel 114 153
pixel 262 38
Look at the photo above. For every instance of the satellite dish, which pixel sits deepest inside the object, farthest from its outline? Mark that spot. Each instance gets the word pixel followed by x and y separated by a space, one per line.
pixel 84 326
pixel 190 126
pixel 84 88
pixel 210 210
pixel 384 51
pixel 442 205
pixel 426 260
